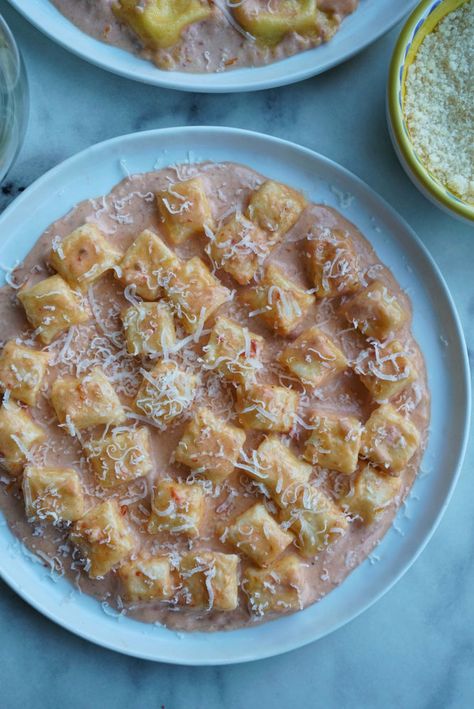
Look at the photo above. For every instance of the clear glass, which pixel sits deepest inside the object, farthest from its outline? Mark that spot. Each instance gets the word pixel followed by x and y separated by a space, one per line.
pixel 14 104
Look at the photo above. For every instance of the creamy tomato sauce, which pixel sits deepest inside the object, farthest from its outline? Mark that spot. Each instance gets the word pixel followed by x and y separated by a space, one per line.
pixel 122 215
pixel 213 45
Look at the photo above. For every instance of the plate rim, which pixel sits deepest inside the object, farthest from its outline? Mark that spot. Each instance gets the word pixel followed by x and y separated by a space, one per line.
pixel 204 85
pixel 465 375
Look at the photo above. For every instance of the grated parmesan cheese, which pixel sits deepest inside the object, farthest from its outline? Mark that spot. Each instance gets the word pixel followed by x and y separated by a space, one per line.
pixel 439 102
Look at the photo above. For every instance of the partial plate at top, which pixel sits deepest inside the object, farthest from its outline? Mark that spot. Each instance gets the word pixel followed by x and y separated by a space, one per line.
pixel 368 23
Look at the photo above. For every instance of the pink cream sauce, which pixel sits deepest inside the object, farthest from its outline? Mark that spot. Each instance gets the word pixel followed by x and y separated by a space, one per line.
pixel 122 215
pixel 213 45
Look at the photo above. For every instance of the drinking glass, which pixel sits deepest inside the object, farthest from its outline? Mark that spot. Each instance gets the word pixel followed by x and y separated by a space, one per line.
pixel 14 103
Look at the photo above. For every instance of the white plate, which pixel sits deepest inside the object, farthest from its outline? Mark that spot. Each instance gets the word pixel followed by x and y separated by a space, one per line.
pixel 370 21
pixel 436 326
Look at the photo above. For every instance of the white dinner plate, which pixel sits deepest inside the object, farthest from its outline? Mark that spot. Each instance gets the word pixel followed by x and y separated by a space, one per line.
pixel 436 326
pixel 370 21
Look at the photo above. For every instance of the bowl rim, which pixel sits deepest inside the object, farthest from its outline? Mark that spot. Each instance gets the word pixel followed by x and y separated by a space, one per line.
pixel 435 188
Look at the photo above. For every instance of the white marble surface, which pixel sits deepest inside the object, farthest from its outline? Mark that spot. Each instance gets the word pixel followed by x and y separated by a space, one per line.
pixel 415 647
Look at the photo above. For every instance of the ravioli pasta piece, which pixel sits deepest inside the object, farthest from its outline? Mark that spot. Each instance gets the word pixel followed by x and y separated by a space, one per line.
pixel 278 301
pixel 240 247
pixel 271 24
pixel 149 328
pixel 387 370
pixel 83 256
pixel 258 535
pixel 166 392
pixel 265 407
pixel 185 210
pixel 53 494
pixel 104 538
pixel 121 457
pixel 209 446
pixel 280 471
pixel 376 312
pixel 160 23
pixel 371 495
pixel 195 294
pixel 52 307
pixel 22 371
pixel 83 402
pixel 177 508
pixel 315 520
pixel 313 357
pixel 389 439
pixel 209 580
pixel 334 442
pixel 148 265
pixel 276 589
pixel 332 263
pixel 19 435
pixel 146 579
pixel 233 351
pixel 275 208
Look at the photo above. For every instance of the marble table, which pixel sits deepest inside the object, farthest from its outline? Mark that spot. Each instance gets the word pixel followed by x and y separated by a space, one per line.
pixel 415 647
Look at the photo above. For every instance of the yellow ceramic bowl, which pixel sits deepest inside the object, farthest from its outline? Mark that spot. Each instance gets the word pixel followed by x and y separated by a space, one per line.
pixel 420 23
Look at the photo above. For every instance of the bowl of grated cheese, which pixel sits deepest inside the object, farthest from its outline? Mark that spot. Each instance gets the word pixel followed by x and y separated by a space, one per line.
pixel 430 103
